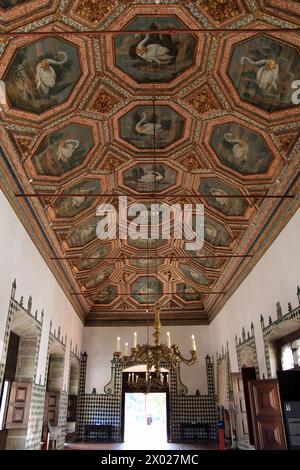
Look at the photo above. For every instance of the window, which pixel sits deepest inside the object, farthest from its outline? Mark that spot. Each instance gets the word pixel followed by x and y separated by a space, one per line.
pixel 290 355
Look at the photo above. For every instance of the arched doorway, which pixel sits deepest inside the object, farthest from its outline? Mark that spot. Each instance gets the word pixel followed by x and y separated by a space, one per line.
pixel 145 415
pixel 54 386
pixel 19 377
pixel 72 398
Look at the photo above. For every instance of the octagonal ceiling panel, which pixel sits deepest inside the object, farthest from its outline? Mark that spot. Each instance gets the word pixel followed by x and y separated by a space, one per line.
pixel 92 258
pixel 203 257
pixel 42 75
pixel 144 263
pixel 150 244
pixel 145 128
pixel 147 290
pixel 193 274
pixel 221 198
pixel 63 150
pixel 188 293
pixel 215 233
pixel 150 57
pixel 83 233
pixel 79 201
pixel 99 276
pixel 105 296
pixel 146 177
pixel 241 149
pixel 263 69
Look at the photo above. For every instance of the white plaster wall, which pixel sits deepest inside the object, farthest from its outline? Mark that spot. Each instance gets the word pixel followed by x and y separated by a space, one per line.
pixel 100 344
pixel 274 278
pixel 20 259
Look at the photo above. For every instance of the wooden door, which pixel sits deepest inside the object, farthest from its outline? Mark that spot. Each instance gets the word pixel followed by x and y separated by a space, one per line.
pixel 266 413
pixel 240 407
pixel 51 410
pixel 19 404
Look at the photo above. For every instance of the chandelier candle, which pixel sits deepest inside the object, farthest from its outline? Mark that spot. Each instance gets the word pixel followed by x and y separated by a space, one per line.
pixel 126 349
pixel 193 343
pixel 168 339
pixel 118 344
pixel 135 339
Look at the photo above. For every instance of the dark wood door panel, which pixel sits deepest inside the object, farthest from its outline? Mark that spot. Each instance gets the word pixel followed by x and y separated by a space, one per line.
pixel 266 413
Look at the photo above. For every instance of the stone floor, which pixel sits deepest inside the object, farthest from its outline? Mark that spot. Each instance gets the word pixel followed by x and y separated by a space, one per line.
pixel 127 446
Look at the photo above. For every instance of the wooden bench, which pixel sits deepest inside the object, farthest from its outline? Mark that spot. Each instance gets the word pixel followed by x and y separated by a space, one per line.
pixel 194 430
pixel 102 432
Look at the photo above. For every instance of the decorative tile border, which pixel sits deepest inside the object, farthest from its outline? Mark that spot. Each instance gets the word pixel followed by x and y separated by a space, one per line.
pixel 224 357
pixel 292 314
pixel 244 343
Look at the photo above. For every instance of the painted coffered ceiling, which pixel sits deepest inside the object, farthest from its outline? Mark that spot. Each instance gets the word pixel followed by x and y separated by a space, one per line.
pixel 87 82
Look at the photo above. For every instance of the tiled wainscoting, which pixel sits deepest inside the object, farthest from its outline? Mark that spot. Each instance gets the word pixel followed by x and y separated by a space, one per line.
pixel 106 408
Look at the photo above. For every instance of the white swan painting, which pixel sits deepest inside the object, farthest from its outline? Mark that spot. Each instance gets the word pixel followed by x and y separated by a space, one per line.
pixel 219 192
pixel 45 74
pixel 267 75
pixel 148 177
pixel 66 149
pixel 81 197
pixel 145 290
pixel 147 128
pixel 149 56
pixel 63 150
pixel 42 74
pixel 263 69
pixel 241 149
pixel 153 52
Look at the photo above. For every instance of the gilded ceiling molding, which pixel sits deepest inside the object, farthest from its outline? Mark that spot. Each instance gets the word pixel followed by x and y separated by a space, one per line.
pixel 220 10
pixel 104 103
pixel 191 163
pixel 203 101
pixel 112 164
pixel 94 11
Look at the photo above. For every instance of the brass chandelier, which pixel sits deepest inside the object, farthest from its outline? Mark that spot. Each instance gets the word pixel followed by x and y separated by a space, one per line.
pixel 153 356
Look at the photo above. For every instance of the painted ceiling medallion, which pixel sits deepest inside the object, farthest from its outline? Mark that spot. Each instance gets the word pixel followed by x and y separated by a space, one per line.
pixel 193 274
pixel 141 125
pixel 84 233
pixel 147 290
pixel 73 205
pixel 220 10
pixel 93 258
pixel 188 293
pixel 149 57
pixel 219 191
pixel 63 150
pixel 42 75
pixel 98 277
pixel 105 296
pixel 263 69
pixel 241 149
pixel 146 177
